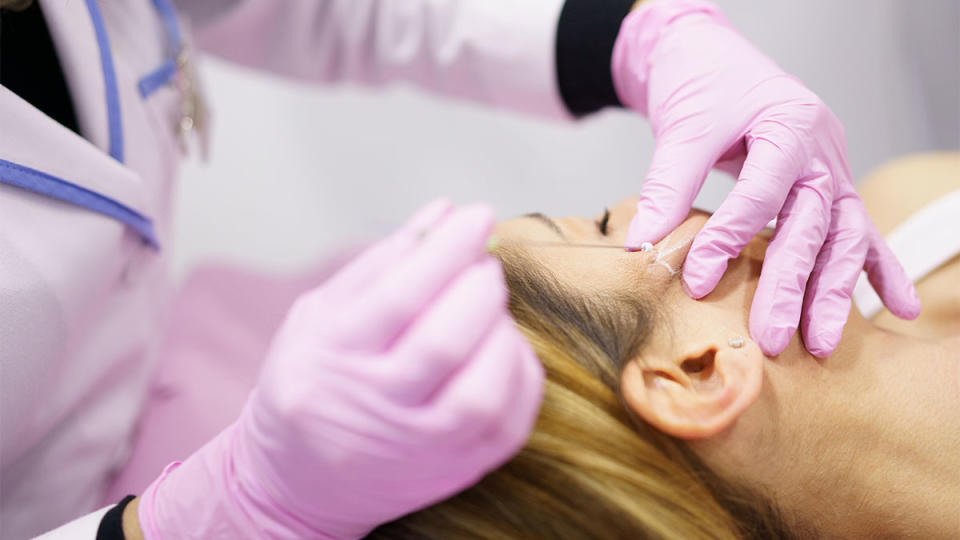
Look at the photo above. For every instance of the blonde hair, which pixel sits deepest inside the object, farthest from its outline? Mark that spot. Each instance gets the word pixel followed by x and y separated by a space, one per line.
pixel 590 469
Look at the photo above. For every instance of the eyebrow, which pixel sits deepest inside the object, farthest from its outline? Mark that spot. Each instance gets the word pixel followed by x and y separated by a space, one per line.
pixel 548 222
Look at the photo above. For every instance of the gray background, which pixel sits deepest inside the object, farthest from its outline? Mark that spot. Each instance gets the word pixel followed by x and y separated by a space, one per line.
pixel 296 170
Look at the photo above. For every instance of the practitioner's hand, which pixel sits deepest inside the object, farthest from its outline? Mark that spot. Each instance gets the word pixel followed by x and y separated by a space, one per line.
pixel 394 385
pixel 713 99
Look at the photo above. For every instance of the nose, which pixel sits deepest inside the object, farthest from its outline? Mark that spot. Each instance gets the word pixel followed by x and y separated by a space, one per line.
pixel 621 214
pixel 625 208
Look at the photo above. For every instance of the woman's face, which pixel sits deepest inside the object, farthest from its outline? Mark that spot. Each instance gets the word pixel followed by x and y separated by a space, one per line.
pixel 688 330
pixel 811 413
pixel 698 405
pixel 551 242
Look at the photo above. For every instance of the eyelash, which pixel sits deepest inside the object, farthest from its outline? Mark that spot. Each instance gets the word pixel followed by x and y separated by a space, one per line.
pixel 602 224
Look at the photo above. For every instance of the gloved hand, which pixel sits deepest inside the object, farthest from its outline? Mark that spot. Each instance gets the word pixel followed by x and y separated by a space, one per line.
pixel 397 383
pixel 714 100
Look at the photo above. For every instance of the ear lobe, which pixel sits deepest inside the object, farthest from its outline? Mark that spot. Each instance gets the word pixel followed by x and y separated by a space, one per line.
pixel 695 395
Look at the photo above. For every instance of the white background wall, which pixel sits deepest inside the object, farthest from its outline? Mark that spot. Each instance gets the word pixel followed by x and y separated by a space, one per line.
pixel 296 170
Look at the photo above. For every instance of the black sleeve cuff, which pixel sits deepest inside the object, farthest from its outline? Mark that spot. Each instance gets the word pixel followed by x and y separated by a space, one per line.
pixel 111 526
pixel 585 36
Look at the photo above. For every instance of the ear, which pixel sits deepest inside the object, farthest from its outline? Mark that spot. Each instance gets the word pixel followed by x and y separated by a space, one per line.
pixel 697 393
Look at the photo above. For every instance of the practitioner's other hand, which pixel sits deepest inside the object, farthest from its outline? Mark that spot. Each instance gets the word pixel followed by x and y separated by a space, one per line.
pixel 715 100
pixel 396 384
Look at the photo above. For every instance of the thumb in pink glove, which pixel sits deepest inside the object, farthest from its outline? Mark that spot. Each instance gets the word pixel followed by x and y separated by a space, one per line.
pixel 394 385
pixel 714 100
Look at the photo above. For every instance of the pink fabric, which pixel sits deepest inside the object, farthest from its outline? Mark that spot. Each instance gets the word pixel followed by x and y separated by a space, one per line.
pixel 396 383
pixel 497 52
pixel 81 296
pixel 221 323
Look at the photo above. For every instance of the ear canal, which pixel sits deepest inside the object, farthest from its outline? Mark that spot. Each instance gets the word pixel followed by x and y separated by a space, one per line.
pixel 701 369
pixel 700 364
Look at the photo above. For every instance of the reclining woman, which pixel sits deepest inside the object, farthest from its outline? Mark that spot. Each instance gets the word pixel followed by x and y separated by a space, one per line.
pixel 663 419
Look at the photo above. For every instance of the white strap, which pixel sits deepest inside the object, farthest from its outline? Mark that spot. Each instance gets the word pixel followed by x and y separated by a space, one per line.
pixel 84 527
pixel 922 243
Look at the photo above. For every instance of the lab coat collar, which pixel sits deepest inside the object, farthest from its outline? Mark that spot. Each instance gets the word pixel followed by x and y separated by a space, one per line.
pixel 52 160
pixel 43 156
pixel 75 38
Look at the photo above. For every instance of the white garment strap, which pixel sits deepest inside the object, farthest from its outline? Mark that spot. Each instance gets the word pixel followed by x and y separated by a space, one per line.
pixel 922 243
pixel 84 527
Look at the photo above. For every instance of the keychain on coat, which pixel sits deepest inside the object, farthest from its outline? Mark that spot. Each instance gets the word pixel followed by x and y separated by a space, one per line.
pixel 192 122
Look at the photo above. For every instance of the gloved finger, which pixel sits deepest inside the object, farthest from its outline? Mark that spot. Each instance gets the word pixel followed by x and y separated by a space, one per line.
pixel 789 260
pixel 890 280
pixel 443 339
pixel 500 387
pixel 492 444
pixel 765 180
pixel 484 418
pixel 373 261
pixel 519 402
pixel 384 309
pixel 677 172
pixel 501 377
pixel 827 305
pixel 427 216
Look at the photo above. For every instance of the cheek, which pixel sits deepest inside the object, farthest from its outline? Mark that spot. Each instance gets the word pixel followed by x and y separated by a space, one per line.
pixel 728 305
pixel 739 283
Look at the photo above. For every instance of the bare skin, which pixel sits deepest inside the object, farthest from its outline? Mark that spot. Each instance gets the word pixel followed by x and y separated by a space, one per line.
pixel 130 522
pixel 865 443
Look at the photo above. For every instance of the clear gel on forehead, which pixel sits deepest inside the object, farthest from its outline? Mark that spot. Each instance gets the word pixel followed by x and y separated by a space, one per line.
pixel 660 255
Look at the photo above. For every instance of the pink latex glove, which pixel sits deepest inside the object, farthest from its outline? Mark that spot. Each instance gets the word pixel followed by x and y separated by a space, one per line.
pixel 397 383
pixel 715 100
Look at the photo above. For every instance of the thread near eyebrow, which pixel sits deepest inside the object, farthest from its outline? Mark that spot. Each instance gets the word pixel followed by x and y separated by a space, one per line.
pixel 494 241
pixel 659 255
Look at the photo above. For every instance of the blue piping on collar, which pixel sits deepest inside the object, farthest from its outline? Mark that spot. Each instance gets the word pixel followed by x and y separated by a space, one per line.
pixel 169 14
pixel 162 75
pixel 57 188
pixel 109 82
pixel 158 78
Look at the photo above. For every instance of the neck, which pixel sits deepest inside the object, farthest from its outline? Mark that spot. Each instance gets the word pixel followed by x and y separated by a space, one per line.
pixel 878 427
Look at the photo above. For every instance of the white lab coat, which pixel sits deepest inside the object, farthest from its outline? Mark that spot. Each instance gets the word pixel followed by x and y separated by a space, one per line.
pixel 85 221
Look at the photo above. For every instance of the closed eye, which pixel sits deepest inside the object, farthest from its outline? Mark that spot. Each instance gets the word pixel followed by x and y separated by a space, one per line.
pixel 604 221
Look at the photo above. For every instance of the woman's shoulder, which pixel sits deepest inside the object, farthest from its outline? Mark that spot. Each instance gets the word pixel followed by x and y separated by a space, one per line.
pixel 899 188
